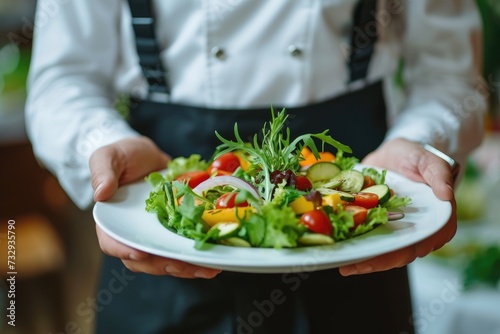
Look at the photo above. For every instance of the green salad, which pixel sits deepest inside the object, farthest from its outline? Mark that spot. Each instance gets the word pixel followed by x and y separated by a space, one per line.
pixel 273 192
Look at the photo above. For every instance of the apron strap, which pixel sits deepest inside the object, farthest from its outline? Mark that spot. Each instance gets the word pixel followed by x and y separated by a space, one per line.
pixel 143 22
pixel 363 41
pixel 364 37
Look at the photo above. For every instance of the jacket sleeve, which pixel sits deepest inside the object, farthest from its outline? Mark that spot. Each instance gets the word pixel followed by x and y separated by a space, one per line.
pixel 70 106
pixel 444 89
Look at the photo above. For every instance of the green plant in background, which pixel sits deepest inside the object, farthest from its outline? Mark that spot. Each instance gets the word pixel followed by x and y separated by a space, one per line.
pixel 490 13
pixel 470 194
pixel 14 67
pixel 483 268
pixel 14 79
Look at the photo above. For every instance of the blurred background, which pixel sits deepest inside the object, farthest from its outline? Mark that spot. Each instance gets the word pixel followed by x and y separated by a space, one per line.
pixel 456 289
pixel 57 255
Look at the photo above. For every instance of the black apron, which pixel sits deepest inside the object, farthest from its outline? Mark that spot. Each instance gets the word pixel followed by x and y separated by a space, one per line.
pixel 314 302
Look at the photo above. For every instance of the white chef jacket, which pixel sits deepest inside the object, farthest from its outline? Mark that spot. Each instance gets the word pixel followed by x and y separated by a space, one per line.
pixel 84 56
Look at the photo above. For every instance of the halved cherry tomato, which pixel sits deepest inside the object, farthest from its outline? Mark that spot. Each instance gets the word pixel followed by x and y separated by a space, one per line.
pixel 366 200
pixel 219 172
pixel 193 178
pixel 317 221
pixel 228 162
pixel 358 212
pixel 368 182
pixel 227 201
pixel 303 183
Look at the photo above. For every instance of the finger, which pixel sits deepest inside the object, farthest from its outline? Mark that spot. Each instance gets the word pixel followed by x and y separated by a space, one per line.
pixel 141 156
pixel 406 255
pixel 445 234
pixel 106 166
pixel 111 247
pixel 437 174
pixel 384 262
pixel 138 261
pixel 156 265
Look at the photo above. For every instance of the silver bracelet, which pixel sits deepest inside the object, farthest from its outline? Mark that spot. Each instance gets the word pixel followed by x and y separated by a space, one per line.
pixel 455 166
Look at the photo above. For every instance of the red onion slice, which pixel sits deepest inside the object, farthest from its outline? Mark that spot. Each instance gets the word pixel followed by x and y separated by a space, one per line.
pixel 229 180
pixel 395 215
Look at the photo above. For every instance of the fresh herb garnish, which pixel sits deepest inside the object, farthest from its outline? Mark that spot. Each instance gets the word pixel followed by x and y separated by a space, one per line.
pixel 276 151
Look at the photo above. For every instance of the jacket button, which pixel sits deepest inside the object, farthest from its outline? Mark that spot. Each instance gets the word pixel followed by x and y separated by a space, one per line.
pixel 218 52
pixel 294 51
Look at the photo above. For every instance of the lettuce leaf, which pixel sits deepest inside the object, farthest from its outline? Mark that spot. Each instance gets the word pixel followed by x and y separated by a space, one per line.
pixel 378 177
pixel 397 202
pixel 345 163
pixel 162 201
pixel 376 216
pixel 342 222
pixel 281 226
pixel 180 165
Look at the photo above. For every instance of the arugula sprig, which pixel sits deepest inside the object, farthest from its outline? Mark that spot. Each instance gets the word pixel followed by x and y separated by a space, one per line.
pixel 276 151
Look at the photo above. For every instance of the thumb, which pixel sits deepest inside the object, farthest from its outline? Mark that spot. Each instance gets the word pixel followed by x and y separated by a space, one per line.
pixel 106 166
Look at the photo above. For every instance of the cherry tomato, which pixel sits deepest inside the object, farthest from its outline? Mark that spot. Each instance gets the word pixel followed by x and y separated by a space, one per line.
pixel 358 212
pixel 193 178
pixel 227 201
pixel 317 221
pixel 220 172
pixel 228 162
pixel 303 183
pixel 368 182
pixel 366 200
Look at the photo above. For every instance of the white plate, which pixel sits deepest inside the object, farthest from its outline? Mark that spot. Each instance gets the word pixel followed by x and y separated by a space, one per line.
pixel 123 217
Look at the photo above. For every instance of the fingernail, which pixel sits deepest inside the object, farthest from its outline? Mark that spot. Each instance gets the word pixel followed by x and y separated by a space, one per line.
pixel 349 271
pixel 173 268
pixel 205 274
pixel 133 256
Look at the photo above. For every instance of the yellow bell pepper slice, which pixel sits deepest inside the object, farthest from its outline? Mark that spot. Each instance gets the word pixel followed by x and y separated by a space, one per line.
pixel 212 217
pixel 302 205
pixel 332 200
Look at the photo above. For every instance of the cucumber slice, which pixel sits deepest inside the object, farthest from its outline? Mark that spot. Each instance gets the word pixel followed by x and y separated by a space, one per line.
pixel 315 239
pixel 235 241
pixel 226 229
pixel 322 171
pixel 327 184
pixel 381 190
pixel 352 180
pixel 346 196
pixel 343 195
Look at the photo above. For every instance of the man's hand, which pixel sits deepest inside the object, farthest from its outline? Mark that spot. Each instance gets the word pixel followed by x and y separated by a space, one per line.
pixel 120 163
pixel 411 160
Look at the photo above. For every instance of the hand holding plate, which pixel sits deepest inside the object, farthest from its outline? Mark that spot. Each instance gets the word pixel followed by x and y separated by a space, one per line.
pixel 121 163
pixel 413 161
